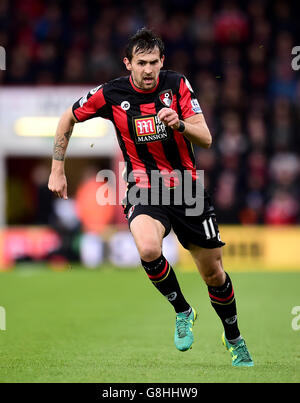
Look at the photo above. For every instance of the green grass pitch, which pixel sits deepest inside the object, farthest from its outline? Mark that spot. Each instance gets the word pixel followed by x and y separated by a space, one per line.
pixel 112 325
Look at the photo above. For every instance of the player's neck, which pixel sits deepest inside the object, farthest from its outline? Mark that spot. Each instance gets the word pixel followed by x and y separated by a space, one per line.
pixel 139 89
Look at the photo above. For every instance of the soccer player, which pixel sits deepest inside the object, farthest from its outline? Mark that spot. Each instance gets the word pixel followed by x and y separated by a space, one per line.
pixel 157 118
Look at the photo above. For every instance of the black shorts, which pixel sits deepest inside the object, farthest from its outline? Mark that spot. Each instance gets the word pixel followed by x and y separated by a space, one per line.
pixel 201 230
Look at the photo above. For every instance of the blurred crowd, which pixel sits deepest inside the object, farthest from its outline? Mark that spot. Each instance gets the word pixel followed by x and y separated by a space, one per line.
pixel 237 56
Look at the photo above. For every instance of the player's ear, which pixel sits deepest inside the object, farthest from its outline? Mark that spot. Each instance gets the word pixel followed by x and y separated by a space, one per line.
pixel 127 63
pixel 162 60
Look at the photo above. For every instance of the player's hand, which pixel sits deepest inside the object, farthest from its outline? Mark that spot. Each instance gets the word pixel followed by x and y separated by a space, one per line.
pixel 58 184
pixel 169 117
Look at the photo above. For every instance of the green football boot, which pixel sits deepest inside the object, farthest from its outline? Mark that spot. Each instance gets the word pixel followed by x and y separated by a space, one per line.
pixel 239 353
pixel 184 330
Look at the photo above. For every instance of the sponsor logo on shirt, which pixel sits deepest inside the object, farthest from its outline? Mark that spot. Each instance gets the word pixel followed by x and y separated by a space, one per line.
pixel 125 105
pixel 187 83
pixel 83 100
pixel 149 128
pixel 172 296
pixel 130 212
pixel 94 90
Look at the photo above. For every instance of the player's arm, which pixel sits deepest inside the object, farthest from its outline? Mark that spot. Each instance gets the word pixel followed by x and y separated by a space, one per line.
pixel 57 180
pixel 87 107
pixel 193 127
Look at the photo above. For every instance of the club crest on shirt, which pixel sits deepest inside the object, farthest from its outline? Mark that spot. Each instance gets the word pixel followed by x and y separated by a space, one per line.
pixel 166 98
pixel 148 128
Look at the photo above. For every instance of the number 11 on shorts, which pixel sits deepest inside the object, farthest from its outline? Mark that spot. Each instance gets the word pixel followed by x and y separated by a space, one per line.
pixel 209 232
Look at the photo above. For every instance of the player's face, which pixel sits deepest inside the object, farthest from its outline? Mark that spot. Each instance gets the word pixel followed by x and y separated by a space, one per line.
pixel 145 68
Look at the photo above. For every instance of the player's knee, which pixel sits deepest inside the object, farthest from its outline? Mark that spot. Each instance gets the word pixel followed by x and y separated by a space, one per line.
pixel 150 252
pixel 214 275
pixel 215 279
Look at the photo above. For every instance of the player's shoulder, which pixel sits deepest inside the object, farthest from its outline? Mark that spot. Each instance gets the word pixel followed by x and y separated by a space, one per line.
pixel 113 89
pixel 170 75
pixel 171 78
pixel 117 83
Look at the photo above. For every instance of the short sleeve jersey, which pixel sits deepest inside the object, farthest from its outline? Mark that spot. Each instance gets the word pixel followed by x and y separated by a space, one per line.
pixel 146 143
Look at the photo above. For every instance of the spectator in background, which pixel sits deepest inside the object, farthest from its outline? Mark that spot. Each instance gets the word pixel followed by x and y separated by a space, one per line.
pixel 201 28
pixel 283 201
pixel 207 161
pixel 231 24
pixel 255 179
pixel 283 125
pixel 257 73
pixel 282 209
pixel 256 132
pixel 95 213
pixel 101 63
pixel 75 67
pixel 225 199
pixel 49 25
pixel 232 140
pixel 284 172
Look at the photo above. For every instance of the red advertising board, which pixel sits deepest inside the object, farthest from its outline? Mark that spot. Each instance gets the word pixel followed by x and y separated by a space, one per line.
pixel 32 242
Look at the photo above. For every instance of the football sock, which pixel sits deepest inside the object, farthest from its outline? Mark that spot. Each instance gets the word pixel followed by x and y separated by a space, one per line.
pixel 223 301
pixel 164 279
pixel 234 341
pixel 188 312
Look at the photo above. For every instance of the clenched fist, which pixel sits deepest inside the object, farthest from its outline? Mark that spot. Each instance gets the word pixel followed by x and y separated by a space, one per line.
pixel 58 184
pixel 169 117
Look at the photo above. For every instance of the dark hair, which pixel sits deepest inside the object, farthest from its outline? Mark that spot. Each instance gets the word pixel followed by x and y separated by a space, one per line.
pixel 144 40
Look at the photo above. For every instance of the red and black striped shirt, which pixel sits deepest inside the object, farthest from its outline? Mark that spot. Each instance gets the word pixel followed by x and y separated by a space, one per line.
pixel 146 143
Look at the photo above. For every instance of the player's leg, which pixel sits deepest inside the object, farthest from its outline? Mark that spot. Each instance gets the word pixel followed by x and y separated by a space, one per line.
pixel 222 298
pixel 148 234
pixel 220 289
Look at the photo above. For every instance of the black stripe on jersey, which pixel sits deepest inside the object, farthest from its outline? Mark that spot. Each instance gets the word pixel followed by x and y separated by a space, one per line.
pixel 171 149
pixel 187 142
pixel 190 150
pixel 121 142
pixel 123 85
pixel 179 107
pixel 142 149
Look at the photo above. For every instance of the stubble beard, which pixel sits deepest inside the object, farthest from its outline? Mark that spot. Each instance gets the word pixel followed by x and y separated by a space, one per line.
pixel 143 86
